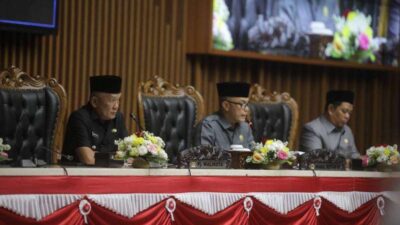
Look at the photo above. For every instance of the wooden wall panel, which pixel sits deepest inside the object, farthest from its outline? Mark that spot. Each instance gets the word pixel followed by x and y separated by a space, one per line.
pixel 376 116
pixel 135 39
pixel 138 39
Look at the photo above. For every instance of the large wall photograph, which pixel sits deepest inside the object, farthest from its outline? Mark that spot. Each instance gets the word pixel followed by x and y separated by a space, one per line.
pixel 351 30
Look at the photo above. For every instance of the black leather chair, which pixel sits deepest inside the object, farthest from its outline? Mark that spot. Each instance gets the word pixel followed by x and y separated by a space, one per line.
pixel 32 114
pixel 170 112
pixel 273 116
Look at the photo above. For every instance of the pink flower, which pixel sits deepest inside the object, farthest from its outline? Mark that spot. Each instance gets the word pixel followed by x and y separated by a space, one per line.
pixel 152 149
pixel 363 41
pixel 282 155
pixel 364 159
pixel 3 155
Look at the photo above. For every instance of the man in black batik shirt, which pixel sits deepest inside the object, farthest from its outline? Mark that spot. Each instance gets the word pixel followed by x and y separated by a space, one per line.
pixel 95 126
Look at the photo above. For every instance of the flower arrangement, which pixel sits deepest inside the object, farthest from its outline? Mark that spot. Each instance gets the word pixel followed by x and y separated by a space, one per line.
pixel 144 145
pixel 384 155
pixel 3 148
pixel 222 37
pixel 271 152
pixel 353 39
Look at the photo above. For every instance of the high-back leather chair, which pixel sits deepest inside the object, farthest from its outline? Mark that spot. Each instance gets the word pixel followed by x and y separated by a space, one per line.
pixel 32 114
pixel 170 112
pixel 273 116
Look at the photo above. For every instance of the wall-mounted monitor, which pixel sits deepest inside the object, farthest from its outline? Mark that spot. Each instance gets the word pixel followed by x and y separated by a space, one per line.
pixel 348 30
pixel 28 15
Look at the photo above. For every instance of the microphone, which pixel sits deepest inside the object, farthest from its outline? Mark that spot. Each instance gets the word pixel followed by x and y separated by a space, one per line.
pixel 35 161
pixel 134 118
pixel 67 157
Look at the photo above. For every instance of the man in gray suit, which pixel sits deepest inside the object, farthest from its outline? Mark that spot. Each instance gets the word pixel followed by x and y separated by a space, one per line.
pixel 330 130
pixel 227 126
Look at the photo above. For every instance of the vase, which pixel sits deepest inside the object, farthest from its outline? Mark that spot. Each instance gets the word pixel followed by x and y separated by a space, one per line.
pixel 253 166
pixel 140 162
pixel 272 166
pixel 156 165
pixel 381 167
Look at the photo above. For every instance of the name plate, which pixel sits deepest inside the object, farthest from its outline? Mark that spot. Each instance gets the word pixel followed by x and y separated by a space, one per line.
pixel 209 164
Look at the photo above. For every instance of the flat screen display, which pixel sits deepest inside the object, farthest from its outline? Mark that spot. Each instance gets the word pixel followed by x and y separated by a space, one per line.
pixel 351 30
pixel 30 14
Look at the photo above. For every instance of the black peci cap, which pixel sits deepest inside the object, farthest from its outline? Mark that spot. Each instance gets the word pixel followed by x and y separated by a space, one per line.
pixel 233 89
pixel 105 83
pixel 339 96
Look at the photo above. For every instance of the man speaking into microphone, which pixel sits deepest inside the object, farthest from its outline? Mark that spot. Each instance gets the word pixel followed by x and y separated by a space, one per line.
pixel 96 125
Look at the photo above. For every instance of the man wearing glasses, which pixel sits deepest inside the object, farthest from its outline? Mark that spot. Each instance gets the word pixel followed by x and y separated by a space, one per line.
pixel 227 126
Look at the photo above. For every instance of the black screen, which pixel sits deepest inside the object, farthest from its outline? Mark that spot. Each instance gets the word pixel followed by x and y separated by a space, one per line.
pixel 39 14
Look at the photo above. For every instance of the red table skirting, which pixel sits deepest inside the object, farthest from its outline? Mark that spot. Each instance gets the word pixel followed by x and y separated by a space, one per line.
pixel 235 214
pixel 178 184
pixel 367 214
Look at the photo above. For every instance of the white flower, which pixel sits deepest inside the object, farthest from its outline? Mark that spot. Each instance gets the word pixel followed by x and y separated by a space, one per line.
pixel 133 152
pixel 120 154
pixel 128 140
pixel 382 158
pixel 160 142
pixel 4 147
pixel 142 150
pixel 164 155
pixel 221 10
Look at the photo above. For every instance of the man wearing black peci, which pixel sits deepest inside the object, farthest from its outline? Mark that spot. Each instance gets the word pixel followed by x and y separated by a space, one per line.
pixel 95 126
pixel 227 126
pixel 330 131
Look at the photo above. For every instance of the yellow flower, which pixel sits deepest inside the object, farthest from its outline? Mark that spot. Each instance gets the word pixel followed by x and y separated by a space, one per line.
pixel 338 44
pixel 138 141
pixel 369 32
pixel 269 142
pixel 257 157
pixel 386 151
pixel 264 150
pixel 351 15
pixel 286 149
pixel 152 139
pixel 346 32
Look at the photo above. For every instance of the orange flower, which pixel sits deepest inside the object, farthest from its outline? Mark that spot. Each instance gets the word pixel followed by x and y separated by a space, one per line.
pixel 257 157
pixel 394 159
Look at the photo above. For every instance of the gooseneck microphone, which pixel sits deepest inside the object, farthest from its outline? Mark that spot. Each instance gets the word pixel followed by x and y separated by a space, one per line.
pixel 35 161
pixel 67 157
pixel 134 118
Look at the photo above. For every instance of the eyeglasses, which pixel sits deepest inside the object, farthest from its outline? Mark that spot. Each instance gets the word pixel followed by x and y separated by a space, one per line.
pixel 241 105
